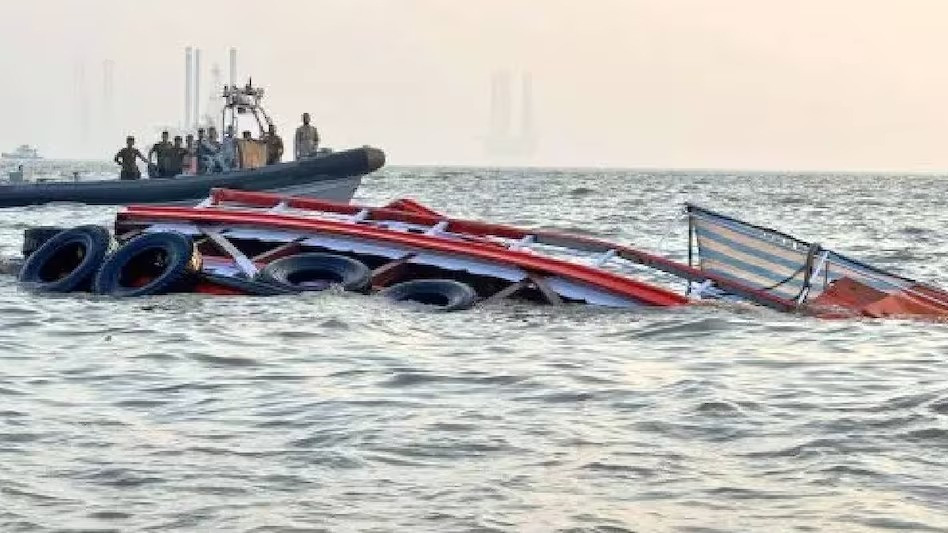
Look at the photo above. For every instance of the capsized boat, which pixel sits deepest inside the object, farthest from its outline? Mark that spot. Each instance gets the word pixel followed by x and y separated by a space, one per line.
pixel 244 242
pixel 242 232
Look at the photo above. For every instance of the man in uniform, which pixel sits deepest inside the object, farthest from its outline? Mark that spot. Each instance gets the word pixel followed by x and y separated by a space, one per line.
pixel 126 157
pixel 189 163
pixel 212 138
pixel 228 153
pixel 162 149
pixel 176 157
pixel 200 149
pixel 307 139
pixel 274 146
pixel 206 152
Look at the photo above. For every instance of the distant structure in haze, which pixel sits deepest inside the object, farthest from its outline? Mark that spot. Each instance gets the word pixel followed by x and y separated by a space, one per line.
pixel 195 95
pixel 214 97
pixel 107 110
pixel 502 139
pixel 233 67
pixel 81 95
pixel 193 117
pixel 188 86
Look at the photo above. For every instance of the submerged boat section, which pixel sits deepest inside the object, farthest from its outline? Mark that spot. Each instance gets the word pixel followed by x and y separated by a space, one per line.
pixel 776 267
pixel 498 261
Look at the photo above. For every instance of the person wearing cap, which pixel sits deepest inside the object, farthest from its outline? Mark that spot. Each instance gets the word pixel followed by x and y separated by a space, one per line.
pixel 228 155
pixel 307 139
pixel 189 162
pixel 176 156
pixel 206 151
pixel 127 159
pixel 163 150
pixel 274 146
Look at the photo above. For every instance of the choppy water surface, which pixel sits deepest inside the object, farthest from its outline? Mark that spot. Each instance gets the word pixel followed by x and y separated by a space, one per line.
pixel 345 413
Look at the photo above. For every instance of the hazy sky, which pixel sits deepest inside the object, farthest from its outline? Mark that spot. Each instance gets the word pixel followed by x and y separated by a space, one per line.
pixel 793 84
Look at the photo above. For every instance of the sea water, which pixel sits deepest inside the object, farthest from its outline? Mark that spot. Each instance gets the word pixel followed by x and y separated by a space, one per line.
pixel 347 413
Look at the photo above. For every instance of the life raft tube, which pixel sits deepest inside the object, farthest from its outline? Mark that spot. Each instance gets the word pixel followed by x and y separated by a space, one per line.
pixel 442 294
pixel 67 261
pixel 153 263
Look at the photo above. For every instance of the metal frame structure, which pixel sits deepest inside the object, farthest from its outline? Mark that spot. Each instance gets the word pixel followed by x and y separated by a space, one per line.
pixel 240 101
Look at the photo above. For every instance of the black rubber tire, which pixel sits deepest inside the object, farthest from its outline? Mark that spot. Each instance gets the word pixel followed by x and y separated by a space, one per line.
pixel 248 286
pixel 35 237
pixel 443 294
pixel 68 261
pixel 170 260
pixel 316 272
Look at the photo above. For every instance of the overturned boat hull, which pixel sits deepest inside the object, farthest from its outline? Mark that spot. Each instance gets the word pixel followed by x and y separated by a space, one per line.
pixel 242 231
pixel 335 176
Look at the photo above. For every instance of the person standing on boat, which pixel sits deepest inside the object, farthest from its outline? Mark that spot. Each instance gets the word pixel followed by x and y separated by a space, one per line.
pixel 127 157
pixel 230 151
pixel 162 149
pixel 274 146
pixel 201 152
pixel 307 139
pixel 176 157
pixel 212 138
pixel 208 148
pixel 189 162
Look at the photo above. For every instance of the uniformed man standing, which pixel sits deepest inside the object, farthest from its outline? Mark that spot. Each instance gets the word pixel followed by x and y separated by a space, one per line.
pixel 202 150
pixel 307 139
pixel 162 149
pixel 190 155
pixel 177 155
pixel 126 157
pixel 228 152
pixel 274 146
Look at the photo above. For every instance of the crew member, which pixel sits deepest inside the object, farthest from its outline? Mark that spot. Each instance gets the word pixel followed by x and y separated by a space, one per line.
pixel 126 157
pixel 176 156
pixel 189 163
pixel 162 149
pixel 307 139
pixel 212 138
pixel 274 146
pixel 228 152
pixel 201 151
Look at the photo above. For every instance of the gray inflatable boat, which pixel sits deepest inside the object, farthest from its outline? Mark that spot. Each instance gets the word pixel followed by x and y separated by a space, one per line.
pixel 333 176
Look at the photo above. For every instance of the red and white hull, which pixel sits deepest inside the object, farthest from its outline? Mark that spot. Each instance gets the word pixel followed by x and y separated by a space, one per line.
pixel 245 230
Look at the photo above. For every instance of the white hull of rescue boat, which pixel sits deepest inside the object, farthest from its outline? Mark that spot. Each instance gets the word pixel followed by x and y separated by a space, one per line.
pixel 337 190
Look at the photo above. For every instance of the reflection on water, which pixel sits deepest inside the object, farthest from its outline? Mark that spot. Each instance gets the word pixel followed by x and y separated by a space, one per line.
pixel 348 413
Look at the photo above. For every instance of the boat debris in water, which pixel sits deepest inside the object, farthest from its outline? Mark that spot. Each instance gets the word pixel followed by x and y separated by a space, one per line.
pixel 789 274
pixel 244 242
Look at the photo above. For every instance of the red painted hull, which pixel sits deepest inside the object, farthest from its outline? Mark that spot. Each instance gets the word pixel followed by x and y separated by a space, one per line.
pixel 477 247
